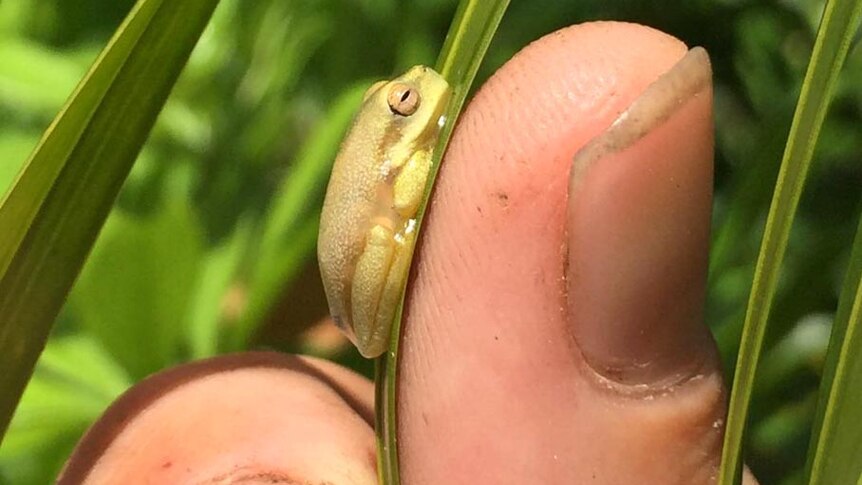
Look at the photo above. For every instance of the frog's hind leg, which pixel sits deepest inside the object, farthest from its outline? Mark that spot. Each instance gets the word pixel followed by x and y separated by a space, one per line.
pixel 369 282
pixel 395 283
pixel 382 268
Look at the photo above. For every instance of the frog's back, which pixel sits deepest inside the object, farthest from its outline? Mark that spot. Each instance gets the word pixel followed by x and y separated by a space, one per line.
pixel 350 197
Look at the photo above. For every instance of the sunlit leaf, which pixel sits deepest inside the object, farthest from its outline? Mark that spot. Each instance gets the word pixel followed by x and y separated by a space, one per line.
pixel 833 40
pixel 213 292
pixel 51 216
pixel 139 284
pixel 471 32
pixel 23 83
pixel 836 442
pixel 14 147
pixel 73 383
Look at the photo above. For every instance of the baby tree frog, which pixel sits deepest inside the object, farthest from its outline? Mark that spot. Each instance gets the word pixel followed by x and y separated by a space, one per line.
pixel 367 227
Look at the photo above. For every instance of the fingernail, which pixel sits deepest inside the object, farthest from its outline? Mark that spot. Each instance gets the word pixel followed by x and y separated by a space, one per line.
pixel 639 205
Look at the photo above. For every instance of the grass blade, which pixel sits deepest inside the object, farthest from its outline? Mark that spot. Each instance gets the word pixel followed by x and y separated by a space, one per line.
pixel 836 440
pixel 471 32
pixel 51 216
pixel 830 49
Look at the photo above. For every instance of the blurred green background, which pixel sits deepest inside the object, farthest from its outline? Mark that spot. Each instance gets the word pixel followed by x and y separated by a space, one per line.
pixel 210 248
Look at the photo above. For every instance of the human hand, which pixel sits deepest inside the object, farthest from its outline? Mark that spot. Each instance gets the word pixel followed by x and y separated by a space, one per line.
pixel 554 327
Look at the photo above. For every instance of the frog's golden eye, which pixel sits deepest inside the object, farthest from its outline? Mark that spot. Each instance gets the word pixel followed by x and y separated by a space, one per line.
pixel 403 99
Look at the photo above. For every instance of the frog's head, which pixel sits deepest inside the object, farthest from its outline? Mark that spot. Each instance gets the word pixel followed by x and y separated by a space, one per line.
pixel 413 104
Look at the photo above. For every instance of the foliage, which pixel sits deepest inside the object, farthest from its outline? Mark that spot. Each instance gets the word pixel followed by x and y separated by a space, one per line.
pixel 52 214
pixel 230 181
pixel 840 18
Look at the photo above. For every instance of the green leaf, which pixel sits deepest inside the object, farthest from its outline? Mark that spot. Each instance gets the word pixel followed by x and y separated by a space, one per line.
pixel 292 256
pixel 74 381
pixel 836 441
pixel 801 350
pixel 833 39
pixel 23 83
pixel 220 267
pixel 471 32
pixel 14 147
pixel 788 423
pixel 138 286
pixel 50 218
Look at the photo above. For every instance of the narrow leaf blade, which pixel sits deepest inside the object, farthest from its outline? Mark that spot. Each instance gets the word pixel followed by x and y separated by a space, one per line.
pixel 21 204
pixel 833 40
pixel 468 39
pixel 51 217
pixel 836 441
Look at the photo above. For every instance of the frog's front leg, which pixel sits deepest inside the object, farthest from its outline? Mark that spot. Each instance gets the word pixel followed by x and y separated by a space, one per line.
pixel 409 186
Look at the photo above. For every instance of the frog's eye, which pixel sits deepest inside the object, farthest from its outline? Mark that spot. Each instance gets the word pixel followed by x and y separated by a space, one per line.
pixel 403 99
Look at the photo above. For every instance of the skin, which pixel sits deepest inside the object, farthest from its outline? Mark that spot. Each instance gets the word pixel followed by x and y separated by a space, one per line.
pixel 378 180
pixel 530 315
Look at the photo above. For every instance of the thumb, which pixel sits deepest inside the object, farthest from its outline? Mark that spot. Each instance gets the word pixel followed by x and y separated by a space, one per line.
pixel 526 303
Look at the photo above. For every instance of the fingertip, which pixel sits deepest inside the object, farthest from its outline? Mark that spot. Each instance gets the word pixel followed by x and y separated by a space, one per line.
pixel 557 93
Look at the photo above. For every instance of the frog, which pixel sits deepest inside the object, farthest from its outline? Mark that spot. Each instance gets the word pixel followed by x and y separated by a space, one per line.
pixel 368 224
